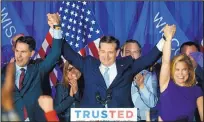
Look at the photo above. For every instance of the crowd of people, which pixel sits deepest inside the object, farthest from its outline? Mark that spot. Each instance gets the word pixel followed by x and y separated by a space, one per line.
pixel 173 89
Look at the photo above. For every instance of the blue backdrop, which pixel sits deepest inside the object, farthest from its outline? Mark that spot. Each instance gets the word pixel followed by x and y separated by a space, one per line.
pixel 124 20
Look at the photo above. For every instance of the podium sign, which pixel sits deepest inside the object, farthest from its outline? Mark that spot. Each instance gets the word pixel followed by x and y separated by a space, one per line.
pixel 103 114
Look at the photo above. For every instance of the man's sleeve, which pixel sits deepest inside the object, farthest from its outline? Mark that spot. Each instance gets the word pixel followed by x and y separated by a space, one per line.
pixel 148 93
pixel 70 55
pixel 62 99
pixel 199 72
pixel 149 59
pixel 51 59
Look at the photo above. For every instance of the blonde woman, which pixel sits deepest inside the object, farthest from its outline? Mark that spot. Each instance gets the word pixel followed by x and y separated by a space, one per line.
pixel 179 94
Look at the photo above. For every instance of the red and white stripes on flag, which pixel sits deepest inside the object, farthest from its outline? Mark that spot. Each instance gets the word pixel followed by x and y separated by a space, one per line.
pixel 90 49
pixel 80 30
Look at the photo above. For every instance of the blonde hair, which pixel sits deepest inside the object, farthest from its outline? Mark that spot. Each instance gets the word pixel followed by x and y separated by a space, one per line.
pixel 183 58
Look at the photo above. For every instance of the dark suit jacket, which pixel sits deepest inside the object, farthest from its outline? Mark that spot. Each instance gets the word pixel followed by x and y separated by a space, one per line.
pixel 94 83
pixel 200 76
pixel 63 102
pixel 32 84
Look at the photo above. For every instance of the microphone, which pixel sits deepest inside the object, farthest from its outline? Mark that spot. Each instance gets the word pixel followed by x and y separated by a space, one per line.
pixel 106 100
pixel 109 95
pixel 98 98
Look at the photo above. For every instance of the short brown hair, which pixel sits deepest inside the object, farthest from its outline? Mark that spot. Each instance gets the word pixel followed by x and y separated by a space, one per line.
pixel 184 58
pixel 131 41
pixel 109 39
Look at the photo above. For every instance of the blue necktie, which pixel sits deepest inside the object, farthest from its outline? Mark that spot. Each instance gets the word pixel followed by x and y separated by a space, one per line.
pixel 106 77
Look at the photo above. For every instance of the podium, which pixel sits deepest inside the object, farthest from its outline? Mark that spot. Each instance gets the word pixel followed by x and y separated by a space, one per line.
pixel 104 114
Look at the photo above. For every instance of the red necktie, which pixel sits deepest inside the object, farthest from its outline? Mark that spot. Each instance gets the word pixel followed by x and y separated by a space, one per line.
pixel 21 78
pixel 20 87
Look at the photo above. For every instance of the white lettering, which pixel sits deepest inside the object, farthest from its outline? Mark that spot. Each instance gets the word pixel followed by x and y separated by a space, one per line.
pixel 9 32
pixel 159 24
pixel 4 15
pixel 10 29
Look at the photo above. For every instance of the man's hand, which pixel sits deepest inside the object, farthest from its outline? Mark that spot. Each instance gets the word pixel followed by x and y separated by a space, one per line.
pixel 46 103
pixel 53 19
pixel 169 31
pixel 139 80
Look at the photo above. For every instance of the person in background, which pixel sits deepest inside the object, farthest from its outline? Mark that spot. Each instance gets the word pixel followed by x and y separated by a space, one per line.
pixel 144 85
pixel 201 46
pixel 8 57
pixel 68 92
pixel 189 48
pixel 179 94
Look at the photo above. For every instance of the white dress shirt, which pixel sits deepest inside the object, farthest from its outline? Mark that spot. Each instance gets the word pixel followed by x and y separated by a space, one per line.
pixel 112 71
pixel 18 73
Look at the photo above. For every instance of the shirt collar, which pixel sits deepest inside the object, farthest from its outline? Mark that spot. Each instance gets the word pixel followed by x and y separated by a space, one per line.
pixel 110 67
pixel 19 68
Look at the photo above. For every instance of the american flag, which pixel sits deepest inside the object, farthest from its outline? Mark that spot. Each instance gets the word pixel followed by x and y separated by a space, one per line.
pixel 79 28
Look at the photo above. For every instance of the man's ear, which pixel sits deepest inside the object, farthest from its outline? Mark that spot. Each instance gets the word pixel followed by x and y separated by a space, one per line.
pixel 32 53
pixel 117 53
pixel 121 54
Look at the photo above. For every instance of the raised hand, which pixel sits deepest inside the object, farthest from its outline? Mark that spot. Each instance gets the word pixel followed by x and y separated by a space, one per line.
pixel 139 80
pixel 46 103
pixel 169 31
pixel 53 19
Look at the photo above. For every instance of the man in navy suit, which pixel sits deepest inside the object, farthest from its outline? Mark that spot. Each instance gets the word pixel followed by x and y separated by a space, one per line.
pixel 107 81
pixel 30 75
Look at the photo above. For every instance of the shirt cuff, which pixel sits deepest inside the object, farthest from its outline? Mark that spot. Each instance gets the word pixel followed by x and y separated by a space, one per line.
pixel 51 116
pixel 56 34
pixel 13 116
pixel 160 44
pixel 133 82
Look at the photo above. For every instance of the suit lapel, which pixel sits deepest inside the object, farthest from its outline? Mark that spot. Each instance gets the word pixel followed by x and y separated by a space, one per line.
pixel 120 69
pixel 27 75
pixel 27 78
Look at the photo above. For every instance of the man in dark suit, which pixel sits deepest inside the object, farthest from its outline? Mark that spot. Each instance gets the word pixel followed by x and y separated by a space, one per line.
pixel 30 75
pixel 108 80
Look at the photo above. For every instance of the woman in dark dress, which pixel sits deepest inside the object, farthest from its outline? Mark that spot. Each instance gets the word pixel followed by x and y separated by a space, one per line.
pixel 68 92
